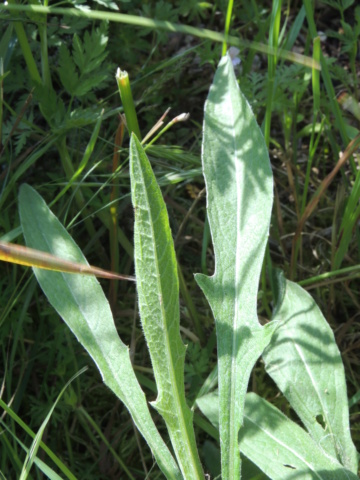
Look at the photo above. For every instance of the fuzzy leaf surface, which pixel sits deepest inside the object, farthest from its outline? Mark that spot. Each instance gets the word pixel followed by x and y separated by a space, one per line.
pixel 81 303
pixel 277 445
pixel 239 199
pixel 304 361
pixel 158 294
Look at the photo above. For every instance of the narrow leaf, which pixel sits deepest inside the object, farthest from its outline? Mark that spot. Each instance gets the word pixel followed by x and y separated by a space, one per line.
pixel 158 292
pixel 239 196
pixel 81 303
pixel 304 361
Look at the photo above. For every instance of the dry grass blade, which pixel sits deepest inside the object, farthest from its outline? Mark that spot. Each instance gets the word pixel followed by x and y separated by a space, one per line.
pixel 36 258
pixel 350 149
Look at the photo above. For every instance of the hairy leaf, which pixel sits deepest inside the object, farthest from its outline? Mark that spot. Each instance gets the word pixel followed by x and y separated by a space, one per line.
pixel 81 303
pixel 304 361
pixel 239 199
pixel 158 291
pixel 277 445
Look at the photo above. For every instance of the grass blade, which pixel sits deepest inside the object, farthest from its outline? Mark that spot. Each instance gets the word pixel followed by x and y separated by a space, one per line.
pixel 61 466
pixel 31 257
pixel 32 452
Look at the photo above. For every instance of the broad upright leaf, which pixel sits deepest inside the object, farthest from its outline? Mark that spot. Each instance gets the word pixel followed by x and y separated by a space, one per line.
pixel 158 290
pixel 282 449
pixel 239 197
pixel 81 303
pixel 304 361
pixel 277 445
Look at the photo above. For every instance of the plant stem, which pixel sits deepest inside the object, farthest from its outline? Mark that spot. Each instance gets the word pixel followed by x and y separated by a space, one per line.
pixel 113 231
pixel 80 201
pixel 26 50
pixel 227 25
pixel 123 82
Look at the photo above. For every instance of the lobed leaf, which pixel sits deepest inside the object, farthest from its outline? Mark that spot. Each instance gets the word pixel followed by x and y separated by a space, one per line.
pixel 67 70
pixel 277 445
pixel 239 199
pixel 304 361
pixel 84 70
pixel 282 449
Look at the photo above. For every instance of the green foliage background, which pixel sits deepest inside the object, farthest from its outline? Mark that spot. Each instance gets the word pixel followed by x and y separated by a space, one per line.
pixel 60 126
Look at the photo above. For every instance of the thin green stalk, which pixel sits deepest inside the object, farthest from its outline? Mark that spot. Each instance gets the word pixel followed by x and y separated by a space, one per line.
pixel 63 468
pixel 227 25
pixel 295 29
pixel 162 25
pixel 316 110
pixel 122 238
pixel 46 75
pixel 272 61
pixel 113 231
pixel 84 161
pixel 348 223
pixel 345 273
pixel 65 158
pixel 266 267
pixel 331 95
pixel 26 50
pixel 1 100
pixel 314 141
pixel 123 82
pixel 103 438
pixel 10 450
pixel 180 118
pixel 79 198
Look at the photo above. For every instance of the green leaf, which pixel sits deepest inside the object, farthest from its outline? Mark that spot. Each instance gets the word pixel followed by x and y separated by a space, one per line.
pixel 110 3
pixel 81 303
pixel 85 69
pixel 52 106
pixel 277 445
pixel 90 54
pixel 239 195
pixel 304 361
pixel 67 70
pixel 6 48
pixel 158 293
pixel 281 448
